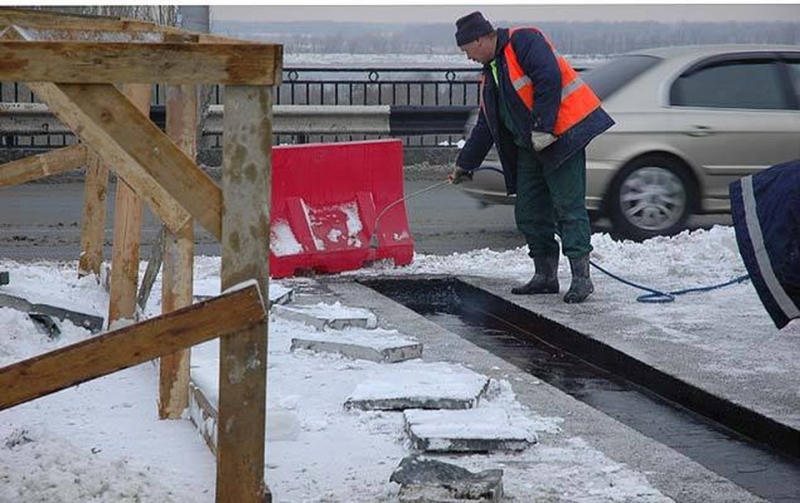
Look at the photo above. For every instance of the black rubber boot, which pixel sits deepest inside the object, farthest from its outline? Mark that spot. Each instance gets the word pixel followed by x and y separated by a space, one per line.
pixel 581 286
pixel 545 277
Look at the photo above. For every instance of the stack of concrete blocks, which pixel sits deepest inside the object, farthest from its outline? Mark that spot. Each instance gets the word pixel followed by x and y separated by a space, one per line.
pixel 351 332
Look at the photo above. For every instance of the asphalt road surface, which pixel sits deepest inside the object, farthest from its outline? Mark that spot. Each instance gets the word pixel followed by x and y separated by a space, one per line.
pixel 42 221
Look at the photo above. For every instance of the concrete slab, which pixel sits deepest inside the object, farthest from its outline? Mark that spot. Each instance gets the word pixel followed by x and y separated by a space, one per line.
pixel 482 429
pixel 377 345
pixel 419 385
pixel 323 316
pixel 280 295
pixel 425 480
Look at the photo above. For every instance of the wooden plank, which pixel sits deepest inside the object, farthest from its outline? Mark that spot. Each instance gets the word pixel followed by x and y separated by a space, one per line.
pixel 93 221
pixel 152 269
pixel 141 62
pixel 246 176
pixel 70 365
pixel 48 21
pixel 128 219
pixel 137 150
pixel 177 292
pixel 177 288
pixel 44 20
pixel 96 35
pixel 42 165
pixel 70 21
pixel 182 116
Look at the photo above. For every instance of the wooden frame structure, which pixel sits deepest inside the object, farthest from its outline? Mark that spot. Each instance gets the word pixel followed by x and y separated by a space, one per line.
pixel 95 75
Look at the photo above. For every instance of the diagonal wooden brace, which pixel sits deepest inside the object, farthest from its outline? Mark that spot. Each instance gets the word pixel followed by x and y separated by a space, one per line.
pixel 138 151
pixel 233 312
pixel 42 165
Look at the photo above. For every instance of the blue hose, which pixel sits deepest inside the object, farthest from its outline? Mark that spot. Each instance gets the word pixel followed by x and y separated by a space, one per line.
pixel 659 297
pixel 655 296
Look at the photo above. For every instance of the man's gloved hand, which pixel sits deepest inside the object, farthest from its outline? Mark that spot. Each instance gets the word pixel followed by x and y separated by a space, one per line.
pixel 459 175
pixel 541 140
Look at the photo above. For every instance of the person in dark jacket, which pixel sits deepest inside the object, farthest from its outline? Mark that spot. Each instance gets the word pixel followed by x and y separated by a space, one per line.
pixel 540 115
pixel 765 209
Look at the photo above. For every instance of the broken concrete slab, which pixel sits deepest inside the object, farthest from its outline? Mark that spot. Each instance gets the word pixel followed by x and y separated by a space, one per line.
pixel 92 323
pixel 419 385
pixel 481 429
pixel 432 481
pixel 377 345
pixel 280 295
pixel 323 316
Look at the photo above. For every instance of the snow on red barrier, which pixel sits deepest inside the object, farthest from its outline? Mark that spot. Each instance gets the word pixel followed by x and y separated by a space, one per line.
pixel 326 199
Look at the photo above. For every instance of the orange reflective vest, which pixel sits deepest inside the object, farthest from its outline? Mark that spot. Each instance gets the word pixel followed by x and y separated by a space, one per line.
pixel 577 98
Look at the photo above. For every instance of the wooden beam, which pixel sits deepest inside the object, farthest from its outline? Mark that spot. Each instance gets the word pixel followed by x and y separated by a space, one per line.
pixel 141 62
pixel 42 165
pixel 137 150
pixel 93 220
pixel 59 21
pixel 128 219
pixel 246 176
pixel 176 292
pixel 95 35
pixel 70 365
pixel 124 278
pixel 70 21
pixel 178 263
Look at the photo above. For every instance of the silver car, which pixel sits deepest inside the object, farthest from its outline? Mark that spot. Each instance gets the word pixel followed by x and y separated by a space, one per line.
pixel 689 120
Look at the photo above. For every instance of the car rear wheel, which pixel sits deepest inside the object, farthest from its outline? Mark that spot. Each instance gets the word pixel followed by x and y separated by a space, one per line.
pixel 651 196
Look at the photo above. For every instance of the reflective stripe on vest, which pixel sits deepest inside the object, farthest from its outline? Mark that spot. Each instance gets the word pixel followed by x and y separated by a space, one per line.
pixel 577 98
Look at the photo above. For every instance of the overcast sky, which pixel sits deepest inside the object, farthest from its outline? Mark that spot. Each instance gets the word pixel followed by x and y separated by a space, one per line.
pixel 376 12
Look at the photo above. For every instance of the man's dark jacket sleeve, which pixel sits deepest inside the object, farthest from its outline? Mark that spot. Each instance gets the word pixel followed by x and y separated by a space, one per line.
pixel 765 208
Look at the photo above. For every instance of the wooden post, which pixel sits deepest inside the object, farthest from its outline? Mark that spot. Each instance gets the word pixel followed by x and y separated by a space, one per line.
pixel 93 223
pixel 128 217
pixel 246 178
pixel 178 266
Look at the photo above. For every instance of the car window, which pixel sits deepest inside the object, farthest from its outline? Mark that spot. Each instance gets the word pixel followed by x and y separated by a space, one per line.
pixel 750 84
pixel 606 79
pixel 794 75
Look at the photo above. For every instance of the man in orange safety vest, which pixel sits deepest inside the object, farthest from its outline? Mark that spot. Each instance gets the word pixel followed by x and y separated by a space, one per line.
pixel 540 115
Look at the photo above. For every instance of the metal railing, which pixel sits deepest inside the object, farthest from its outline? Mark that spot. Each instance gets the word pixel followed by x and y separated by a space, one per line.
pixel 379 86
pixel 429 105
pixel 420 89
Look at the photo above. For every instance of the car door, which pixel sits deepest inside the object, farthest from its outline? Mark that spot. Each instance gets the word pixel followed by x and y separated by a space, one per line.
pixel 737 114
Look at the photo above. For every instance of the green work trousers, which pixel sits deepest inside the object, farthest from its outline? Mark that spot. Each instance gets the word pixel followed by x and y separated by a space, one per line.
pixel 553 203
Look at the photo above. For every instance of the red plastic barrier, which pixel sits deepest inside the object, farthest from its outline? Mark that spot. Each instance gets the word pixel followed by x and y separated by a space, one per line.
pixel 325 202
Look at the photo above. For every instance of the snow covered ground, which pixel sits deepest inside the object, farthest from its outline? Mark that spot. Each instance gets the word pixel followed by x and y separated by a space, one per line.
pixel 101 442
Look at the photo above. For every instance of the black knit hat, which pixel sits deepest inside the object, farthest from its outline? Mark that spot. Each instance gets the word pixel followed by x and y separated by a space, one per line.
pixel 470 27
